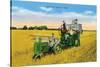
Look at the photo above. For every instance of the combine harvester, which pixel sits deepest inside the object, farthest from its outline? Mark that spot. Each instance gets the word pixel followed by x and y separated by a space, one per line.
pixel 49 44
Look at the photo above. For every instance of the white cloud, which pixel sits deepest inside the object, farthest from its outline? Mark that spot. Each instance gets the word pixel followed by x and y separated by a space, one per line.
pixel 20 11
pixel 88 12
pixel 25 15
pixel 46 8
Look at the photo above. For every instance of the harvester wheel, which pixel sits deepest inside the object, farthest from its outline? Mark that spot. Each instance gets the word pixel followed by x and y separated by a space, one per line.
pixel 58 49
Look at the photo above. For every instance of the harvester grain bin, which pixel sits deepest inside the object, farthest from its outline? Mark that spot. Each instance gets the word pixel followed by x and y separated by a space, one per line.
pixel 76 26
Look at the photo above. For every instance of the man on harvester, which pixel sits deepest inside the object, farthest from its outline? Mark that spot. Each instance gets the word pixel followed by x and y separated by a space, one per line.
pixel 51 44
pixel 77 29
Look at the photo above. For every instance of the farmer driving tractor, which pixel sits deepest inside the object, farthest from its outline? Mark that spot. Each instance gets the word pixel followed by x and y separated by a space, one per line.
pixel 63 28
pixel 64 35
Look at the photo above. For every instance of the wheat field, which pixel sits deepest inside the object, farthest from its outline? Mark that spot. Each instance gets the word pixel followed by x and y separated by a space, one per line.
pixel 22 45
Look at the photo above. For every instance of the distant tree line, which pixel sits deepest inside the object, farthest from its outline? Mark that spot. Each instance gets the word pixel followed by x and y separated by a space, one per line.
pixel 30 28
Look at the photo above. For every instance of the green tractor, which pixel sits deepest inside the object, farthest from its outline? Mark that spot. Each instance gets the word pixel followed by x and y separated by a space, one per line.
pixel 70 34
pixel 43 45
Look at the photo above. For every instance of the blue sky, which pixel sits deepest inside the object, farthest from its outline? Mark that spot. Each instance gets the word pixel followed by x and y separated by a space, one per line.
pixel 28 12
pixel 57 8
